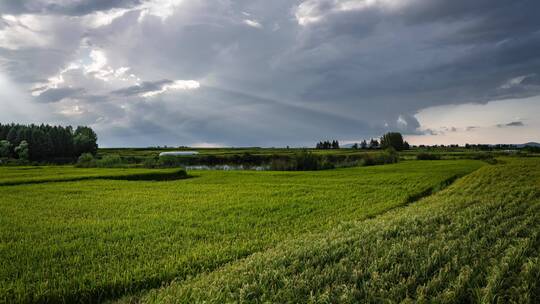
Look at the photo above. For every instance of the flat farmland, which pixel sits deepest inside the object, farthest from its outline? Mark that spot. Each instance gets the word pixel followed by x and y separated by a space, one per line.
pixel 101 239
pixel 478 241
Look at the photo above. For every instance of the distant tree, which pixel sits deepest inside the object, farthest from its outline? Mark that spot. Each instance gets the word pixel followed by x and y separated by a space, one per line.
pixel 5 148
pixel 4 129
pixel 363 144
pixel 22 150
pixel 406 146
pixel 355 146
pixel 327 145
pixel 12 135
pixel 85 141
pixel 40 144
pixel 392 139
pixel 373 144
pixel 45 141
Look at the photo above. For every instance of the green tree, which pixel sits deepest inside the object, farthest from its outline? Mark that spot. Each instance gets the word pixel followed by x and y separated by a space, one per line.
pixel 22 150
pixel 5 148
pixel 406 145
pixel 392 139
pixel 363 144
pixel 85 141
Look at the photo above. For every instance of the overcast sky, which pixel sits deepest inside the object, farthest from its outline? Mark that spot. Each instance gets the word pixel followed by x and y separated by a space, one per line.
pixel 274 73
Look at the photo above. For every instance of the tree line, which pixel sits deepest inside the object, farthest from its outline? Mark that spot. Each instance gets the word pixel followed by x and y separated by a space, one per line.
pixel 325 145
pixel 389 140
pixel 45 142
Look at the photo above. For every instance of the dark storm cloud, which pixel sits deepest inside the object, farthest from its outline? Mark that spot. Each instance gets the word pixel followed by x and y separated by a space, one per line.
pixel 312 69
pixel 531 80
pixel 74 8
pixel 260 121
pixel 476 43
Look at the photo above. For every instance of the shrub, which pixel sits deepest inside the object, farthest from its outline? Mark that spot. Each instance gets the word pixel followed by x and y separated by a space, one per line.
pixel 149 162
pixel 110 161
pixel 327 163
pixel 306 161
pixel 389 156
pixel 169 161
pixel 368 161
pixel 486 157
pixel 427 156
pixel 86 160
pixel 280 164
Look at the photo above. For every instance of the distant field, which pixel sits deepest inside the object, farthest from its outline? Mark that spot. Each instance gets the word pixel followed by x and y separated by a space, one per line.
pixel 444 153
pixel 154 152
pixel 39 174
pixel 92 240
pixel 476 242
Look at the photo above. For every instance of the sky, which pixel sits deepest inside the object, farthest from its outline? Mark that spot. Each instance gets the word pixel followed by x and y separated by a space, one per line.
pixel 211 73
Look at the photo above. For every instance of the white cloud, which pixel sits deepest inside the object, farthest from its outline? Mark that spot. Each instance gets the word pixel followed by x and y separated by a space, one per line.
pixel 97 67
pixel 100 18
pixel 402 122
pixel 313 11
pixel 206 145
pixel 22 32
pixel 53 82
pixel 159 8
pixel 176 85
pixel 253 23
pixel 72 110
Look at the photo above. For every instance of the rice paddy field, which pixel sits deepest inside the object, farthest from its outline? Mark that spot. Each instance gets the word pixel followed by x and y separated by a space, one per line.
pixel 417 231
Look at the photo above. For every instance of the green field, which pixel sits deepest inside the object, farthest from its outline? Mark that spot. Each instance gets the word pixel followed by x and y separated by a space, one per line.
pixel 478 241
pixel 97 239
pixel 34 175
